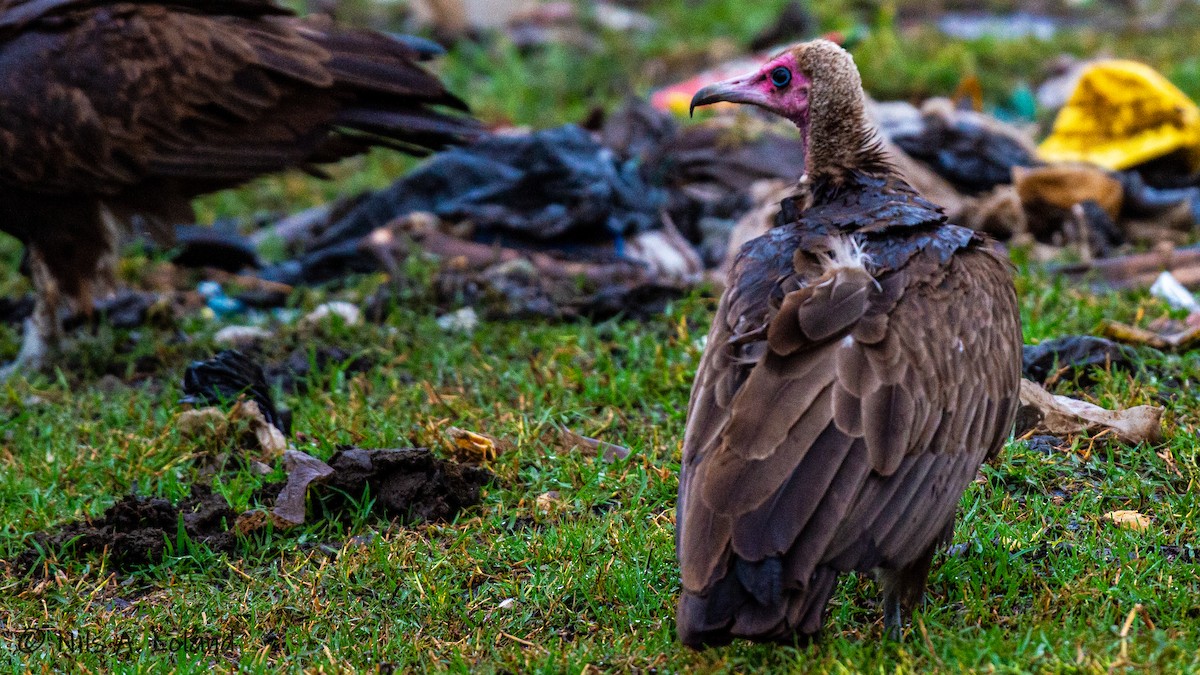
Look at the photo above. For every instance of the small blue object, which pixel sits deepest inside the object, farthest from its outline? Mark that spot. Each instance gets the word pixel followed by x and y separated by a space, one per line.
pixel 209 289
pixel 224 305
pixel 218 302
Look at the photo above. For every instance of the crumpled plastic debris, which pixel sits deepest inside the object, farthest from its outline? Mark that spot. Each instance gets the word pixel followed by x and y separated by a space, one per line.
pixel 1122 114
pixel 554 188
pixel 1167 287
pixel 223 379
pixel 974 151
pixel 1075 354
pixel 218 246
pixel 637 208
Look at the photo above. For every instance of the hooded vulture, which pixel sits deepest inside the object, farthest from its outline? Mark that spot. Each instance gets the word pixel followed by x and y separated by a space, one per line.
pixel 118 113
pixel 863 362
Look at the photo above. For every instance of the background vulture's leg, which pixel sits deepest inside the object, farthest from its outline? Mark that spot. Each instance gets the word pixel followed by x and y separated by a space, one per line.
pixel 43 330
pixel 902 590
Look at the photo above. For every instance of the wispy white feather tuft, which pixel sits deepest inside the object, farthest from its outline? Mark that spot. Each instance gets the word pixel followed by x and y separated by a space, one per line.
pixel 844 253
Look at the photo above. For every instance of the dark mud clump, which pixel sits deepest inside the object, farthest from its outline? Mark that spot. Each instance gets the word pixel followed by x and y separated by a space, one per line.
pixel 137 531
pixel 410 483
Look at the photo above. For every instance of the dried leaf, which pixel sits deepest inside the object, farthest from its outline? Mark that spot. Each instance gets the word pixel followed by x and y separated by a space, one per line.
pixel 472 446
pixel 302 469
pixel 202 422
pixel 1062 415
pixel 548 501
pixel 270 439
pixel 1129 520
pixel 609 452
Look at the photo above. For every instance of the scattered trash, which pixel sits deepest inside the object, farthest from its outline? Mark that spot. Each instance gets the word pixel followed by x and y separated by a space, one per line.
pixel 1075 354
pixel 241 337
pixel 347 313
pixel 1063 416
pixel 218 246
pixel 507 603
pixel 1122 114
pixel 1044 444
pixel 463 320
pixel 974 151
pixel 677 98
pixel 200 422
pixel 1129 520
pixel 1167 287
pixel 1015 26
pixel 244 425
pixel 224 378
pixel 217 301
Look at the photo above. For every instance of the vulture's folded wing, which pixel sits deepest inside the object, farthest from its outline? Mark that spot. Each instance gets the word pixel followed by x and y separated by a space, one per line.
pixel 102 98
pixel 838 422
pixel 16 14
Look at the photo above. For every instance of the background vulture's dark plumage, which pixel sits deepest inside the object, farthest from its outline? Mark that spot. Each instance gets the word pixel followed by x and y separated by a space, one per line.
pixel 116 111
pixel 863 362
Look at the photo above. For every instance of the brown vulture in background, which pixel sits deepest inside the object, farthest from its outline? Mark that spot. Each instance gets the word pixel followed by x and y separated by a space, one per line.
pixel 116 114
pixel 863 362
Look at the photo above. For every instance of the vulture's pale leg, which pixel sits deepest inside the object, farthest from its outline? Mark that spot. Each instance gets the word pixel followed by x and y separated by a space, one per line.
pixel 43 331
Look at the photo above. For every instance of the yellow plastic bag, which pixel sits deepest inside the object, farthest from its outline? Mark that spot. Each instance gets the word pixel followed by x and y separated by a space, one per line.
pixel 1121 114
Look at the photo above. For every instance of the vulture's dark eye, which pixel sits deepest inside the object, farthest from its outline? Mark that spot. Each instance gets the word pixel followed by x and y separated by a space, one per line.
pixel 780 77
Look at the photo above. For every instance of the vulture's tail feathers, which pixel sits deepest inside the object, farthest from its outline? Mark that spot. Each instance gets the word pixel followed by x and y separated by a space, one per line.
pixel 750 603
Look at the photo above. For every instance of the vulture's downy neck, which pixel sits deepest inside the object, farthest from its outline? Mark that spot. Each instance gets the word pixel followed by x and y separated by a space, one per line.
pixel 841 145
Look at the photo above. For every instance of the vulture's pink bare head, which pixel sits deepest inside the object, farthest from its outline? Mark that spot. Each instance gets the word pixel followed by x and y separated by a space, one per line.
pixel 780 86
pixel 815 85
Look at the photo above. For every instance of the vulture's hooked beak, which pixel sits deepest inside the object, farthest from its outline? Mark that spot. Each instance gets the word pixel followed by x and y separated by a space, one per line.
pixel 737 90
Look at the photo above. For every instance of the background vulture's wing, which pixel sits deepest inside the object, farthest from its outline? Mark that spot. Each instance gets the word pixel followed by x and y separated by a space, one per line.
pixel 16 14
pixel 98 98
pixel 833 423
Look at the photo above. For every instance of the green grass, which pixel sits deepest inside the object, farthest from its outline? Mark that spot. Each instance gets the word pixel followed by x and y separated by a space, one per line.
pixel 1039 582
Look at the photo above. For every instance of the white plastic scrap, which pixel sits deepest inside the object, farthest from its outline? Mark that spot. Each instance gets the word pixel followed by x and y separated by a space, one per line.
pixel 1168 288
pixel 348 313
pixel 464 320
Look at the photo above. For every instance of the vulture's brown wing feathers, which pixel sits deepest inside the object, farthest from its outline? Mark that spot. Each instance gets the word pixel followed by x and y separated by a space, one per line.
pixel 117 113
pixel 838 410
pixel 101 96
pixel 16 14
